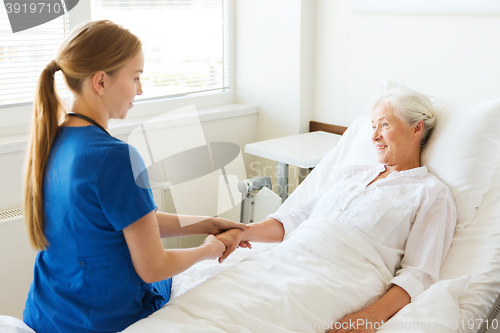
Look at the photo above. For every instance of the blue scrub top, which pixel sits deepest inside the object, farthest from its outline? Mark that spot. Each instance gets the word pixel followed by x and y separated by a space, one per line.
pixel 85 281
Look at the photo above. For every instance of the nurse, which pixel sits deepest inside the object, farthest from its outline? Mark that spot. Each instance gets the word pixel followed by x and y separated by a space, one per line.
pixel 101 265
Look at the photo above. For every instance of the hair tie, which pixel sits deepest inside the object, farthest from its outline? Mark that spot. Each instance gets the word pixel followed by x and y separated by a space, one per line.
pixel 54 66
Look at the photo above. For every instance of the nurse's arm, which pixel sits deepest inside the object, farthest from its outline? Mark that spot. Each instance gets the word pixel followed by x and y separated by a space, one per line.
pixel 172 225
pixel 152 263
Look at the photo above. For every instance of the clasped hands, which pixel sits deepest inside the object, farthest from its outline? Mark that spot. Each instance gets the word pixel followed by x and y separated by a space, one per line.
pixel 228 233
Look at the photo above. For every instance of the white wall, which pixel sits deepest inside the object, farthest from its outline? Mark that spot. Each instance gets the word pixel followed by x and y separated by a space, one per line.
pixel 275 62
pixel 268 62
pixel 453 57
pixel 275 51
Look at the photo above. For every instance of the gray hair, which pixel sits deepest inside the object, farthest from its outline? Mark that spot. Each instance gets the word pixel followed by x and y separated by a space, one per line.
pixel 411 107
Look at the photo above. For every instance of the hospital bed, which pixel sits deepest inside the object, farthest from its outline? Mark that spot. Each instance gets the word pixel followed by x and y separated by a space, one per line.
pixel 464 152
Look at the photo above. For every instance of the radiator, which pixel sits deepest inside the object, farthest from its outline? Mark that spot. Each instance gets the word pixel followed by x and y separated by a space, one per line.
pixel 16 263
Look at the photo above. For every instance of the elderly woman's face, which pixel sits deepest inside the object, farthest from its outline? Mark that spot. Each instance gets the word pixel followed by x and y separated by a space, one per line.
pixel 393 139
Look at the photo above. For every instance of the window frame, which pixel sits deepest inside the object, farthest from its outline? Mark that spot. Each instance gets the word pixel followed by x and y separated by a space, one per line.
pixel 16 119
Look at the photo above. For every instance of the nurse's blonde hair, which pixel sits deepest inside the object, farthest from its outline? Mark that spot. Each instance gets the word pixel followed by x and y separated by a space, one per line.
pixel 92 47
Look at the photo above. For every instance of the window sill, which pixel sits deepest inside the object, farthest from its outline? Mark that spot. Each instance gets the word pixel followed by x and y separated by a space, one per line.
pixel 17 142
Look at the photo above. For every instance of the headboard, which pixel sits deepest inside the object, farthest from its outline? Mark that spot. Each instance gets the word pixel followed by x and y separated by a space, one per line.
pixel 317 126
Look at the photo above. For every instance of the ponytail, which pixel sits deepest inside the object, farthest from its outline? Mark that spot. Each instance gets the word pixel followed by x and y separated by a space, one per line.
pixel 47 110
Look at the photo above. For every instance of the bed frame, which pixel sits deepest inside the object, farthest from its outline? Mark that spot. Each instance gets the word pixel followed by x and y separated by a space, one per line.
pixel 335 129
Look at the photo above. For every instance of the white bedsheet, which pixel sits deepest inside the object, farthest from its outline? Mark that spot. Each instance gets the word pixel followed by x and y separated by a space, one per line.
pixel 322 272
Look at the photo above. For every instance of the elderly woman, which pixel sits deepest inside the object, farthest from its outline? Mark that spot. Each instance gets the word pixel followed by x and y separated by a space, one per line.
pixel 402 210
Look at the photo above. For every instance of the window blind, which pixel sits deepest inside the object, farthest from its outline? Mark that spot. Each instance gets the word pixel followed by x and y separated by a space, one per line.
pixel 23 56
pixel 185 43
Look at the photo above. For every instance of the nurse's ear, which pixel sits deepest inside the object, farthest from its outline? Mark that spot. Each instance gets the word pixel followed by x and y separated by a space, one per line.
pixel 99 82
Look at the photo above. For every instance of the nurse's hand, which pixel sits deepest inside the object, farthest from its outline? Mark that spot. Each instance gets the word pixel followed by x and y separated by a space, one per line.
pixel 220 225
pixel 214 247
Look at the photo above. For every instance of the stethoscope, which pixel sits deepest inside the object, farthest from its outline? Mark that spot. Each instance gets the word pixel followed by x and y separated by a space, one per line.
pixel 92 121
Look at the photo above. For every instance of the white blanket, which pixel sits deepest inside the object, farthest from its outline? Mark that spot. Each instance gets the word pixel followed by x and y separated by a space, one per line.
pixel 320 273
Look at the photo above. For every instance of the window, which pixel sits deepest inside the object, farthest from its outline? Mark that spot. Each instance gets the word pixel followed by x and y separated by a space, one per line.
pixel 185 42
pixel 23 55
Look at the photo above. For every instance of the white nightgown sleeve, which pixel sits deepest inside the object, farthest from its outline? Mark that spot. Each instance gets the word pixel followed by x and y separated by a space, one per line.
pixel 293 217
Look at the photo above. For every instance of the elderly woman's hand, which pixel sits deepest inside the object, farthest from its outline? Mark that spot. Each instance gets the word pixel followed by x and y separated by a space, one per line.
pixel 359 322
pixel 375 315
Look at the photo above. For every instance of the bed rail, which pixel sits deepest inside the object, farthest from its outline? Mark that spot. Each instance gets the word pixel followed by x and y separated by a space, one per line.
pixel 247 188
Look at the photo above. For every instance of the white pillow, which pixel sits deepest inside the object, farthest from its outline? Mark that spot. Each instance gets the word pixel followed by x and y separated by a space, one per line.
pixel 13 325
pixel 464 149
pixel 475 251
pixel 434 310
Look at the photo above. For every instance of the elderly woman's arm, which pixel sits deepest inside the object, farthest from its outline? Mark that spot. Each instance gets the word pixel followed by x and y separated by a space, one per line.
pixel 266 231
pixel 373 316
pixel 271 230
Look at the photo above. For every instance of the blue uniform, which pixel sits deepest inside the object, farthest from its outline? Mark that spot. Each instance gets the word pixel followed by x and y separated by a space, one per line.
pixel 85 281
